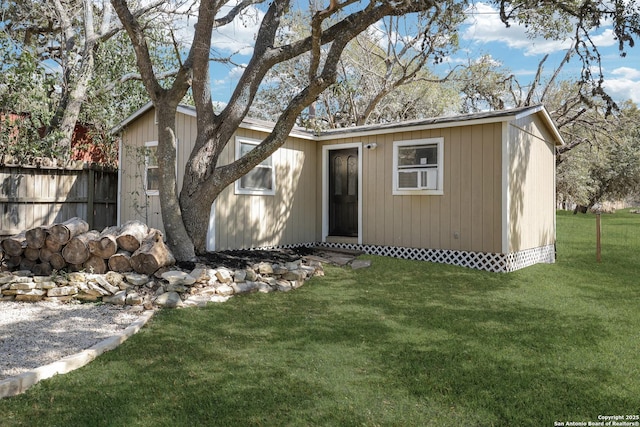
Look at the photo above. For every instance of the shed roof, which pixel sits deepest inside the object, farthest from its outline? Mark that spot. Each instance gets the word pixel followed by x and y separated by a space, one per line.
pixel 377 129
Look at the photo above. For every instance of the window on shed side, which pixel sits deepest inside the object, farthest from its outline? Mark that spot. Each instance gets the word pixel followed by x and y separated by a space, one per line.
pixel 418 167
pixel 151 171
pixel 261 179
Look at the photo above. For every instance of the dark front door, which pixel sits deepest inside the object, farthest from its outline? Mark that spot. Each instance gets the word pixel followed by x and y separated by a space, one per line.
pixel 343 192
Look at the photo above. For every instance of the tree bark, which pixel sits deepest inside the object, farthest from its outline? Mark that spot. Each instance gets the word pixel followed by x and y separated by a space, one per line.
pixel 174 227
pixel 64 232
pixel 105 245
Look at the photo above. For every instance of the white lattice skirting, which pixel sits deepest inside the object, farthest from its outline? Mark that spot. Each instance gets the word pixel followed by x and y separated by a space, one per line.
pixel 497 263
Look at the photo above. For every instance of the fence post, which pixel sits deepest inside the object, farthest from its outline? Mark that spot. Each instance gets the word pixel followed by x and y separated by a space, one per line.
pixel 91 195
pixel 598 239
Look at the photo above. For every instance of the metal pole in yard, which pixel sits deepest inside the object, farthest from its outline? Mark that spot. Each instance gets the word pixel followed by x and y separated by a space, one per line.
pixel 598 246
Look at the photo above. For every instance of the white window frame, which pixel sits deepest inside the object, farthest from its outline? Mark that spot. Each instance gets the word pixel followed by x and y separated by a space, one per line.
pixel 252 191
pixel 147 146
pixel 439 190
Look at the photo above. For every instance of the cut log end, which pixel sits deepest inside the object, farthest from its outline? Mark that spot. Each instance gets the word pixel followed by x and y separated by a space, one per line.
pixel 152 254
pixel 120 262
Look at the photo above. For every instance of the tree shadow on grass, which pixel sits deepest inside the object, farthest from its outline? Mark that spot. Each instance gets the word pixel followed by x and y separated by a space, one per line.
pixel 349 350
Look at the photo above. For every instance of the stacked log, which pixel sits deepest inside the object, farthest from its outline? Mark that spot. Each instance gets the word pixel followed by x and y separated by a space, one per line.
pixel 71 246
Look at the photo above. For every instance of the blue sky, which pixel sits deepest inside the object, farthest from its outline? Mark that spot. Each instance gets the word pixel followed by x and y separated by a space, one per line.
pixel 483 33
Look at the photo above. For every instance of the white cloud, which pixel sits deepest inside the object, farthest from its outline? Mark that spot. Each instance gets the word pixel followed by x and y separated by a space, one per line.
pixel 236 72
pixel 627 72
pixel 624 85
pixel 240 35
pixel 485 26
pixel 237 37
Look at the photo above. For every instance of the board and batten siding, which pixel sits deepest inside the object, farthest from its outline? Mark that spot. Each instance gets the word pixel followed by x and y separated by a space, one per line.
pixel 285 218
pixel 532 214
pixel 241 221
pixel 466 217
pixel 134 203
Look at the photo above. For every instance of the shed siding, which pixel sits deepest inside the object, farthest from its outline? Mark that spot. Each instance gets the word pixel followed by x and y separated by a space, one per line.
pixel 251 221
pixel 134 203
pixel 242 221
pixel 531 185
pixel 466 217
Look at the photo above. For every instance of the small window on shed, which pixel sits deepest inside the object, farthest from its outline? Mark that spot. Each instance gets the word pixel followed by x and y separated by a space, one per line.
pixel 151 171
pixel 261 179
pixel 418 167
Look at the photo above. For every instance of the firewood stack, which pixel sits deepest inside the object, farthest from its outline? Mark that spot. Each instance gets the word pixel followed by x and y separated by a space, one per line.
pixel 71 246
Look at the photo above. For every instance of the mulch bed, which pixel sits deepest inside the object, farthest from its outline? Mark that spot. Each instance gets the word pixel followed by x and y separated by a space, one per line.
pixel 238 259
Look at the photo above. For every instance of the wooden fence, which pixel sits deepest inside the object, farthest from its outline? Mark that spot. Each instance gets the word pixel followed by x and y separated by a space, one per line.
pixel 36 196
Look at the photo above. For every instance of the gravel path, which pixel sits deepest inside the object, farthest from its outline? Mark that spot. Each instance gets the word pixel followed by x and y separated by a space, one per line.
pixel 36 334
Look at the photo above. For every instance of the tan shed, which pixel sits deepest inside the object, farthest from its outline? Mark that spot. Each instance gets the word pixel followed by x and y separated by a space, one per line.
pixel 476 190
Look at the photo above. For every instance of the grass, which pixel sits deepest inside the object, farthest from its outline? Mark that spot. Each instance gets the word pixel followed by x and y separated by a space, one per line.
pixel 402 343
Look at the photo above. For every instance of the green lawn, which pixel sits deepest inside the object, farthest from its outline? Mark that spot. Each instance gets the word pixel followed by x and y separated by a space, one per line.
pixel 403 343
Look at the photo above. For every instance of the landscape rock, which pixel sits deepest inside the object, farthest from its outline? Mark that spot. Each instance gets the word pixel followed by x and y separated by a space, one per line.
pixel 224 290
pixel 295 275
pixel 119 298
pixel 136 279
pixel 239 276
pixel 101 291
pixel 283 285
pixel 169 300
pixel 133 298
pixel 244 287
pixel 175 288
pixel 223 275
pixel 250 274
pixel 103 283
pixel 62 291
pixel 265 268
pixel 23 286
pixel 202 274
pixel 178 278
